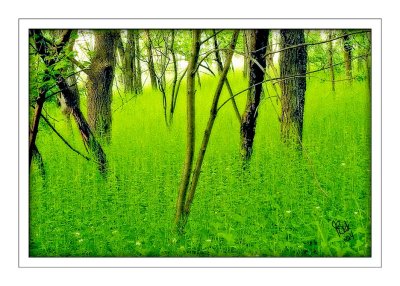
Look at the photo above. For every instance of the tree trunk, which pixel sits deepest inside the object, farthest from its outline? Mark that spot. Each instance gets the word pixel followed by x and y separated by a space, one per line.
pixel 129 63
pixel 257 43
pixel 138 70
pixel 175 78
pixel 347 56
pixel 190 129
pixel 246 55
pixel 210 124
pixel 99 84
pixel 35 123
pixel 293 63
pixel 330 59
pixel 150 62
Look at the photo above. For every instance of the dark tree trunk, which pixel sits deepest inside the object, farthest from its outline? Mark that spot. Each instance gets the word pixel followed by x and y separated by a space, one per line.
pixel 347 47
pixel 35 123
pixel 293 64
pixel 330 59
pixel 99 84
pixel 150 61
pixel 257 43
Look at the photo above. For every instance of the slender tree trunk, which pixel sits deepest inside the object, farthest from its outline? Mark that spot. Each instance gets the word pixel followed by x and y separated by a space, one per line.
pixel 150 62
pixel 220 70
pixel 330 59
pixel 99 84
pixel 293 62
pixel 210 124
pixel 347 47
pixel 175 79
pixel 190 129
pixel 258 41
pixel 138 77
pixel 246 55
pixel 35 123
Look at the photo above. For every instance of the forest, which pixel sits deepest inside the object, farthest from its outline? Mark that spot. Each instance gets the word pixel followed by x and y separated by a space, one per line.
pixel 200 143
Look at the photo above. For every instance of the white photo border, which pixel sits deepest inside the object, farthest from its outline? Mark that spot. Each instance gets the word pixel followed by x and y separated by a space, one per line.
pixel 375 261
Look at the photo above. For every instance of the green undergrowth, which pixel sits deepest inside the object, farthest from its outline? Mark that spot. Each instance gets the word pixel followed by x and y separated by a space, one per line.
pixel 281 204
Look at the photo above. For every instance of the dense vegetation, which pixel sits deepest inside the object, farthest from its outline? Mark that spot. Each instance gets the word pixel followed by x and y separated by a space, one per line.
pixel 284 201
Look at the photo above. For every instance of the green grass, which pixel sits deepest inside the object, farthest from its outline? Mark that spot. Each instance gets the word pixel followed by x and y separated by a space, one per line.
pixel 274 208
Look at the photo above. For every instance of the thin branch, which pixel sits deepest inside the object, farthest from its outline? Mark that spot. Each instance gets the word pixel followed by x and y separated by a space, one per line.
pixel 62 138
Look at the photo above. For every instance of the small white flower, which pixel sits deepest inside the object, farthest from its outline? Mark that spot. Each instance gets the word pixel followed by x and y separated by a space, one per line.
pixel 208 240
pixel 317 207
pixel 138 243
pixel 288 212
pixel 80 240
pixel 343 164
pixel 355 212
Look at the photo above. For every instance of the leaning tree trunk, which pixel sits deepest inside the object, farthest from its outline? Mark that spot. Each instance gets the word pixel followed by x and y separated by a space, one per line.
pixel 190 128
pixel 99 84
pixel 257 43
pixel 347 56
pixel 293 65
pixel 330 59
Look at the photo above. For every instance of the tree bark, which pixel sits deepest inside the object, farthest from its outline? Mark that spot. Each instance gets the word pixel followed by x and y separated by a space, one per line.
pixel 210 124
pixel 190 129
pixel 347 47
pixel 257 43
pixel 150 61
pixel 129 63
pixel 330 59
pixel 293 62
pixel 99 84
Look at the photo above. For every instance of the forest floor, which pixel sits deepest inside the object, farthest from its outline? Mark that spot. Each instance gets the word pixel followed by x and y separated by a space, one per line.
pixel 285 203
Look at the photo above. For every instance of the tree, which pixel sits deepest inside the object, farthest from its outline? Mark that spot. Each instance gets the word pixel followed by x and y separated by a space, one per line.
pixel 100 81
pixel 150 61
pixel 257 44
pixel 330 59
pixel 190 127
pixel 293 66
pixel 347 48
pixel 207 133
pixel 138 83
